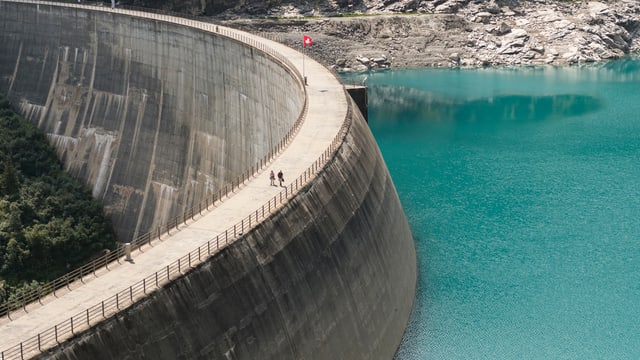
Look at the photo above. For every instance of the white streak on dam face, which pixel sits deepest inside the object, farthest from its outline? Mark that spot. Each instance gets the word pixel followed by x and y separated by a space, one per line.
pixel 93 144
pixel 57 128
pixel 209 184
pixel 103 146
pixel 31 111
pixel 64 145
pixel 164 194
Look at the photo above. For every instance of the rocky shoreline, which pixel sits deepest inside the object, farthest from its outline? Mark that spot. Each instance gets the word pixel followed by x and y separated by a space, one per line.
pixel 455 33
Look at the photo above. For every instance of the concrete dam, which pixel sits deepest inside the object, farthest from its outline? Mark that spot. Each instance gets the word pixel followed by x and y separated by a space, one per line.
pixel 156 113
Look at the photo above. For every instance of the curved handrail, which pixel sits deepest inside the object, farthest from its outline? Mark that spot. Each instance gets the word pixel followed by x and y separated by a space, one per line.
pixel 89 268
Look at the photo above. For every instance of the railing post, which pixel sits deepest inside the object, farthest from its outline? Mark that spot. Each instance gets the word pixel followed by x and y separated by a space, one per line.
pixel 88 319
pixel 168 273
pixel 131 293
pixel 179 270
pixel 118 301
pixel 72 326
pixel 103 310
pixel 39 344
pixel 144 285
pixel 55 332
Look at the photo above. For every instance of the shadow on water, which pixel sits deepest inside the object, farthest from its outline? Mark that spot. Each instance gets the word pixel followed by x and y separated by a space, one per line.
pixel 402 104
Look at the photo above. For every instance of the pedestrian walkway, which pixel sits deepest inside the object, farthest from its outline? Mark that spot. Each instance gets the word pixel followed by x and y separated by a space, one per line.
pixel 327 109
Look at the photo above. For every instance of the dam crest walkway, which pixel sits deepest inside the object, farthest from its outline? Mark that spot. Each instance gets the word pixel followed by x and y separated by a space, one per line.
pixel 108 290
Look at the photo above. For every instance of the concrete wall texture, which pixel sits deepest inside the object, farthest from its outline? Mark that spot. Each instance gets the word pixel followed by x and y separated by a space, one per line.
pixel 152 116
pixel 156 106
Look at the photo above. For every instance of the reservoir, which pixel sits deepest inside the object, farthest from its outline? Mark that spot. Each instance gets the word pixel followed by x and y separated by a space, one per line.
pixel 522 189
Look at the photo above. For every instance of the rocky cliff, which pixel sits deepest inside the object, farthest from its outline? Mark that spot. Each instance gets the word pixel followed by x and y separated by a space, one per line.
pixel 418 33
pixel 457 33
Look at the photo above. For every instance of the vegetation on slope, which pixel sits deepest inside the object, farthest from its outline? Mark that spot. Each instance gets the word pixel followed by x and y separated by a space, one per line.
pixel 49 223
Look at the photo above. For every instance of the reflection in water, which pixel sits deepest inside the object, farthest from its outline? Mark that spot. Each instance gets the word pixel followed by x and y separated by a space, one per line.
pixel 391 102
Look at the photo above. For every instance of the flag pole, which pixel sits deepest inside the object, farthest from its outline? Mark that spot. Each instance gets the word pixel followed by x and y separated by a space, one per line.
pixel 306 40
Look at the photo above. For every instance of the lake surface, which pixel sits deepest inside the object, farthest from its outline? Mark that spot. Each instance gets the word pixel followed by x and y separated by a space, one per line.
pixel 522 188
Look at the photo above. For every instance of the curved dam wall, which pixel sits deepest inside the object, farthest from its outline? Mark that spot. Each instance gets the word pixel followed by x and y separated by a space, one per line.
pixel 153 116
pixel 330 276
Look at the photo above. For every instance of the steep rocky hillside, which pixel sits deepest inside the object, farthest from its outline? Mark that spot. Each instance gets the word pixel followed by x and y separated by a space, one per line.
pixel 362 34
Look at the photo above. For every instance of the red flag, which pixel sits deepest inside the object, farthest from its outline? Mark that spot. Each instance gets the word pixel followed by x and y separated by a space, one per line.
pixel 307 41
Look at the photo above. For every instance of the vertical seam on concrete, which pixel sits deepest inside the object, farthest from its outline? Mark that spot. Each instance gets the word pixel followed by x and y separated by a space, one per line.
pixel 187 174
pixel 123 117
pixel 44 65
pixel 54 79
pixel 94 43
pixel 152 164
pixel 15 68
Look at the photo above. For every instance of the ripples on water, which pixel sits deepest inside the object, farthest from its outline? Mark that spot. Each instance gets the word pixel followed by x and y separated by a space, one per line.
pixel 522 187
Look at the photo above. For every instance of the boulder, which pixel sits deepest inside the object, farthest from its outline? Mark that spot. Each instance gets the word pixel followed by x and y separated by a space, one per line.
pixel 482 17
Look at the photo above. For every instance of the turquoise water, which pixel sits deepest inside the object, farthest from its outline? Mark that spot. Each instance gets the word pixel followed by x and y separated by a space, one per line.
pixel 522 188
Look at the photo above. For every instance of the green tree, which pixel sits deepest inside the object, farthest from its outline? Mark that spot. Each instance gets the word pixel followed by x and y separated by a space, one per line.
pixel 9 184
pixel 49 222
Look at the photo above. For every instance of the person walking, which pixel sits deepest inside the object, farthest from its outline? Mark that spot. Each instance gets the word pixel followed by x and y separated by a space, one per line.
pixel 280 177
pixel 272 177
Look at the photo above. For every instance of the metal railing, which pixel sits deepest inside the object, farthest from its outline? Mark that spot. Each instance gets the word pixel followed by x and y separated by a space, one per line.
pixel 65 281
